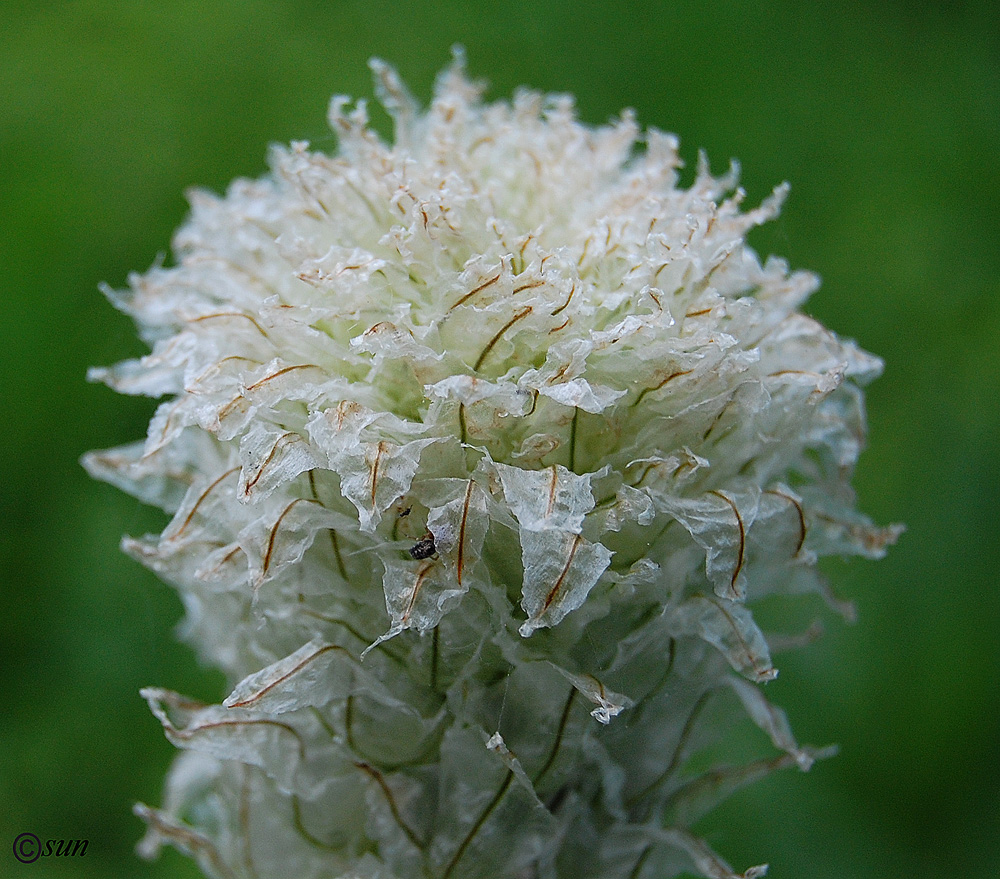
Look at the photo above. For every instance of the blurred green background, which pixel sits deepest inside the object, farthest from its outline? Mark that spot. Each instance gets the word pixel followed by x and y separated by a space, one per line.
pixel 884 115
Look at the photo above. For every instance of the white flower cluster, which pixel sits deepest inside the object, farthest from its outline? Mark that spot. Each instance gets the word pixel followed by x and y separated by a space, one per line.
pixel 479 447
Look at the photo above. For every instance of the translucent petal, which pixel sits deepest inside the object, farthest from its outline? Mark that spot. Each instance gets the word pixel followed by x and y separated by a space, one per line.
pixel 729 627
pixel 270 458
pixel 560 569
pixel 718 521
pixel 609 704
pixel 282 534
pixel 771 719
pixel 376 475
pixel 552 499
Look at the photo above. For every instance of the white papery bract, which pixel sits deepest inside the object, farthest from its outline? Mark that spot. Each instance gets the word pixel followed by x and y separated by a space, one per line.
pixel 480 446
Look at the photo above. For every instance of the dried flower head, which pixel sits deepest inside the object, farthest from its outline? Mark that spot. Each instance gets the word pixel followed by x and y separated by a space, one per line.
pixel 479 447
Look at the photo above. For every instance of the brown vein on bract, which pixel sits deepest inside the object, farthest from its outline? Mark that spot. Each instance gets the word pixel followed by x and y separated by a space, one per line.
pixel 166 425
pixel 422 573
pixel 678 752
pixel 572 438
pixel 193 841
pixel 460 561
pixel 265 690
pixel 872 537
pixel 383 647
pixel 554 379
pixel 435 656
pixel 669 378
pixel 739 636
pixel 121 462
pixel 198 503
pixel 189 733
pixel 801 515
pixel 552 491
pixel 527 241
pixel 379 449
pixel 334 540
pixel 239 398
pixel 656 299
pixel 636 715
pixel 185 703
pixel 226 558
pixel 379 779
pixel 478 289
pixel 219 314
pixel 682 466
pixel 555 589
pixel 343 407
pixel 534 402
pixel 280 373
pixel 650 467
pixel 301 828
pixel 793 372
pixel 698 313
pixel 524 312
pixel 189 388
pixel 560 730
pixel 335 543
pixel 718 417
pixel 401 513
pixel 499 234
pixel 718 776
pixel 274 449
pixel 422 758
pixel 375 329
pixel 739 524
pixel 277 524
pixel 601 692
pixel 236 401
pixel 478 825
pixel 529 286
pixel 478 142
pixel 637 869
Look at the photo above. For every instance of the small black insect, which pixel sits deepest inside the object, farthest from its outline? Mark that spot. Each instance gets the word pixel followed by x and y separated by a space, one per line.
pixel 422 549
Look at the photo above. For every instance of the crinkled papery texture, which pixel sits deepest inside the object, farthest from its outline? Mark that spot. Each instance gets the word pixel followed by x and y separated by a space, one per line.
pixel 479 447
pixel 560 565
